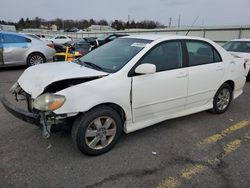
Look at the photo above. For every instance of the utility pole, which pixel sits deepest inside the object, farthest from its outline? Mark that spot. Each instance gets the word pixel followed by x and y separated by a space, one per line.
pixel 179 21
pixel 128 21
pixel 170 22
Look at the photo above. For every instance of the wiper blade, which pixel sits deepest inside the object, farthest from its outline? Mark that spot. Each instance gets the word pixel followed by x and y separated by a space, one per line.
pixel 93 65
pixel 78 61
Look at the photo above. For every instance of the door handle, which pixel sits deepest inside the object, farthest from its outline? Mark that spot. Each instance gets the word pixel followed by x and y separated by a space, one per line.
pixel 219 69
pixel 182 75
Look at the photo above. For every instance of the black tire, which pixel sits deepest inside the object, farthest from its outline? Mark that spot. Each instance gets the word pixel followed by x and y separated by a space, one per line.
pixel 84 121
pixel 40 59
pixel 248 76
pixel 218 109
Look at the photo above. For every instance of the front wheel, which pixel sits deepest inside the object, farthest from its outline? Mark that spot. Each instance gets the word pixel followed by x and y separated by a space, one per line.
pixel 97 131
pixel 222 99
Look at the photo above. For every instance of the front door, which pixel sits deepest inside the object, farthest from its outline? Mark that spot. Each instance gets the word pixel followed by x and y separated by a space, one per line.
pixel 164 92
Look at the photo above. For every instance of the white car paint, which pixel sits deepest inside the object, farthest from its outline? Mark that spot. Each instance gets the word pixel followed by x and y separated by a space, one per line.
pixel 146 99
pixel 244 55
pixel 61 39
pixel 55 72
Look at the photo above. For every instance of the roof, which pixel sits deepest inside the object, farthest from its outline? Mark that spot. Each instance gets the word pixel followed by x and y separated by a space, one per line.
pixel 160 36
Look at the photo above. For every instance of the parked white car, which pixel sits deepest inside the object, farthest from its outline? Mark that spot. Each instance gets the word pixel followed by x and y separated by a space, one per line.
pixel 240 48
pixel 61 39
pixel 129 84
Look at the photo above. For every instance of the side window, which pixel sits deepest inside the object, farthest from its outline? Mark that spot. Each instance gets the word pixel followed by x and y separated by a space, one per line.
pixel 1 41
pixel 200 53
pixel 9 38
pixel 60 37
pixel 243 47
pixel 165 56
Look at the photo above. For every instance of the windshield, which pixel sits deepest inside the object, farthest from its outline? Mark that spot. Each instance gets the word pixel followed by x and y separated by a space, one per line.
pixel 112 56
pixel 237 46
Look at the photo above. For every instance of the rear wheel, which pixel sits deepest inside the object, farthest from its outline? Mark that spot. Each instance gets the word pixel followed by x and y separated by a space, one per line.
pixel 35 59
pixel 222 99
pixel 97 131
pixel 248 76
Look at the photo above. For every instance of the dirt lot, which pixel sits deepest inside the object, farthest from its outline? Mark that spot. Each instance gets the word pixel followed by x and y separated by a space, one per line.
pixel 200 150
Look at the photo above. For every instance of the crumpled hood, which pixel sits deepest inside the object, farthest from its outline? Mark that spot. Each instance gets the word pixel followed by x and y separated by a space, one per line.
pixel 36 78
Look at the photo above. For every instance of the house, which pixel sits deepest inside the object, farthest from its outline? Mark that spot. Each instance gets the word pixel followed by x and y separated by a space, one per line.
pixel 10 28
pixel 100 28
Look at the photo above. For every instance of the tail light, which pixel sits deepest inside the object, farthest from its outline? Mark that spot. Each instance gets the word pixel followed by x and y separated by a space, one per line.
pixel 51 45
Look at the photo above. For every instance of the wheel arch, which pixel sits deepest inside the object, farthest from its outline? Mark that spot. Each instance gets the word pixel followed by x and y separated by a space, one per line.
pixel 231 83
pixel 35 52
pixel 116 107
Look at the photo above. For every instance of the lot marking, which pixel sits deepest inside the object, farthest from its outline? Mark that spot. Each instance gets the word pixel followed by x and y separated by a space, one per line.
pixel 219 136
pixel 231 147
pixel 194 170
pixel 189 173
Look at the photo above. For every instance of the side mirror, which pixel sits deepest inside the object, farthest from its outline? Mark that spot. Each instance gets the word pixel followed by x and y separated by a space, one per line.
pixel 145 69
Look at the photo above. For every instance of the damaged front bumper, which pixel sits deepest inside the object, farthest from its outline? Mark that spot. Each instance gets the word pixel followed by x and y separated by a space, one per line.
pixel 48 122
pixel 20 113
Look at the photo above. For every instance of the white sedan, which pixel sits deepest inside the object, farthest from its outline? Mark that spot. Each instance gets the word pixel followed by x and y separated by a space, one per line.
pixel 240 48
pixel 128 84
pixel 61 39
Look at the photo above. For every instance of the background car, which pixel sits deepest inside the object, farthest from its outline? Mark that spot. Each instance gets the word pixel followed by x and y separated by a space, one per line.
pixel 82 46
pixel 61 39
pixel 19 49
pixel 103 39
pixel 240 47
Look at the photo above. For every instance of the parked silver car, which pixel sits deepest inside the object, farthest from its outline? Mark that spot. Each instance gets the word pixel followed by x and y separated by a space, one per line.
pixel 19 49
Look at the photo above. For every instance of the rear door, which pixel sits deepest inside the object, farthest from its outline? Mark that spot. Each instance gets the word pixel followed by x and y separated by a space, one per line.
pixel 14 48
pixel 206 71
pixel 1 50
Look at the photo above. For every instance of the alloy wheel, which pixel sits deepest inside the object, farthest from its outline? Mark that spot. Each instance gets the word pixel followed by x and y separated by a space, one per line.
pixel 100 132
pixel 223 99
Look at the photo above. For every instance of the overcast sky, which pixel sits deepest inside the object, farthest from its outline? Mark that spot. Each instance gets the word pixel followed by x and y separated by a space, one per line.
pixel 210 12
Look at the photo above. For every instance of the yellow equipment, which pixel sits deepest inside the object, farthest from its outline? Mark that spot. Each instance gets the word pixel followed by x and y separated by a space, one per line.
pixel 67 56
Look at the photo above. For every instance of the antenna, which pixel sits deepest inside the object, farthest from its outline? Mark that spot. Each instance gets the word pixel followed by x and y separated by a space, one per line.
pixel 192 25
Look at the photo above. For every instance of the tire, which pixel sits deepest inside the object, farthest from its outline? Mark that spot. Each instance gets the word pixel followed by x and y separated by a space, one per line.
pixel 222 99
pixel 97 131
pixel 248 76
pixel 35 59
